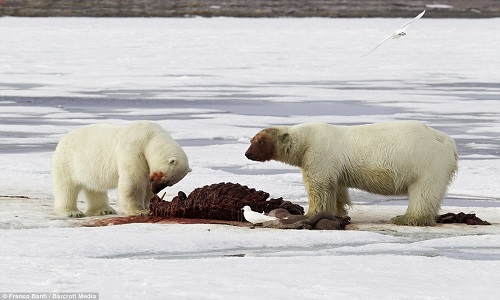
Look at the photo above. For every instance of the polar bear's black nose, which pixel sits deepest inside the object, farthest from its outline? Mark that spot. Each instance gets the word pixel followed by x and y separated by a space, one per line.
pixel 248 155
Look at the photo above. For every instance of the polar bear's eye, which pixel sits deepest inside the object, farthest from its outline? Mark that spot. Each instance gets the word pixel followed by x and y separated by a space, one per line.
pixel 261 142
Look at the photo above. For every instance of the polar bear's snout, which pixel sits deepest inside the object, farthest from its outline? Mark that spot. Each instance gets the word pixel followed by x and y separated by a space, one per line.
pixel 252 154
pixel 249 155
pixel 158 181
pixel 157 187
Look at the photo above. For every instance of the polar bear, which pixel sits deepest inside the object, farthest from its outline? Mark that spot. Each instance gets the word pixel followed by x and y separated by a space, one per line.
pixel 139 159
pixel 391 158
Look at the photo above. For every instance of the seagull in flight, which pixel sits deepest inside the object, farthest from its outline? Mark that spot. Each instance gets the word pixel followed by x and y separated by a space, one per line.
pixel 255 217
pixel 398 33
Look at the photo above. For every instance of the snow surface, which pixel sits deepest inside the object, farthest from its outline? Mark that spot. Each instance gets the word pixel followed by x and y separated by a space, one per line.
pixel 213 83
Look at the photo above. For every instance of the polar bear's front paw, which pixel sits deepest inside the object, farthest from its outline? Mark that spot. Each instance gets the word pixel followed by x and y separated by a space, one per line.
pixel 102 212
pixel 74 214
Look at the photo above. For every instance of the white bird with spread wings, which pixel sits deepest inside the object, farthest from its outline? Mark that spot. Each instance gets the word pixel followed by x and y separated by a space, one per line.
pixel 398 33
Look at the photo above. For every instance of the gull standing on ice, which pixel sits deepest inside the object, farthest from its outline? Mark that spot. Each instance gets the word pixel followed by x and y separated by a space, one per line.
pixel 255 217
pixel 398 33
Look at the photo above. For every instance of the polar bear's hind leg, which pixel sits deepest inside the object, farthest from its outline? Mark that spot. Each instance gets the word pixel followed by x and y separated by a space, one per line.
pixel 425 197
pixel 65 197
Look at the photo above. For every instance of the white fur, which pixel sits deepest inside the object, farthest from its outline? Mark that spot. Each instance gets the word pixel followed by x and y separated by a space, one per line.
pixel 100 157
pixel 393 158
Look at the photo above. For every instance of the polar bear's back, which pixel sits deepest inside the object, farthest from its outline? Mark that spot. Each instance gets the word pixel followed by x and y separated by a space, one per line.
pixel 406 137
pixel 403 139
pixel 88 140
pixel 139 133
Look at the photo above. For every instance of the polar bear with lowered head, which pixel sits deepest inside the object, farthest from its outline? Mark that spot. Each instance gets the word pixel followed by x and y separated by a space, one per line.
pixel 139 159
pixel 391 158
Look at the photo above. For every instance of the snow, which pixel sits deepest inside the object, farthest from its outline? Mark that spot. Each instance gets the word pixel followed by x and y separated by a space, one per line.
pixel 213 83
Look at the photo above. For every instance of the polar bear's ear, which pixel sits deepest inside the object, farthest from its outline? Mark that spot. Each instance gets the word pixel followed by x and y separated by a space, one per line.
pixel 172 160
pixel 284 137
pixel 286 142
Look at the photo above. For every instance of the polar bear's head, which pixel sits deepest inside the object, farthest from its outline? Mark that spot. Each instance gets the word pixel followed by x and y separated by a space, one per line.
pixel 168 173
pixel 268 144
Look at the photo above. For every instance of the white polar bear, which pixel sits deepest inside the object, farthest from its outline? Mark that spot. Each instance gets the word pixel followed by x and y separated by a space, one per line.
pixel 140 159
pixel 392 158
